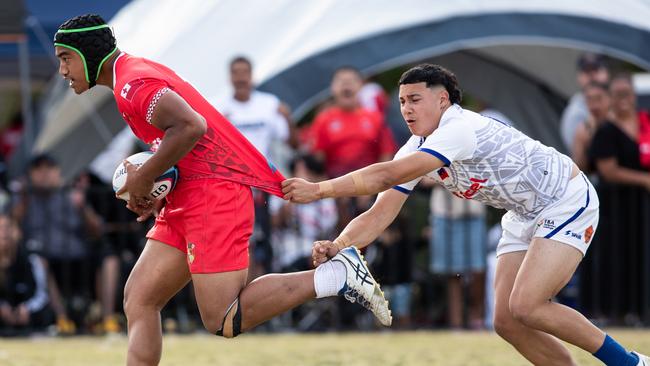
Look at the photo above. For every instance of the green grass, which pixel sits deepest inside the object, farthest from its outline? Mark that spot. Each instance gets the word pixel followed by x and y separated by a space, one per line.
pixel 388 348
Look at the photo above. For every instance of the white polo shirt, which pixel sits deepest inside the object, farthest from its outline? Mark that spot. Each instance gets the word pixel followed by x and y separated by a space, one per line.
pixel 258 118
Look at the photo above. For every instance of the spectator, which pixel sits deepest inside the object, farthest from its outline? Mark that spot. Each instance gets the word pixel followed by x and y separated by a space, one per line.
pixel 458 251
pixel 621 242
pixel 11 135
pixel 373 97
pixel 23 284
pixel 598 102
pixel 591 68
pixel 56 222
pixel 347 136
pixel 266 122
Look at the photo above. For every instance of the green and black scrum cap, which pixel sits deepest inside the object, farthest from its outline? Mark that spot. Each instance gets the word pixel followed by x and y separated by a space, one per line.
pixel 91 38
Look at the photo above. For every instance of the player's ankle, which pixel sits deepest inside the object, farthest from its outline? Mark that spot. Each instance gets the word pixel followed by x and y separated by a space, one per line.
pixel 329 278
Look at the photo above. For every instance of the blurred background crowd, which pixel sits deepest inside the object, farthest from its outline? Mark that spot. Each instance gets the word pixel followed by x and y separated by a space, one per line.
pixel 67 245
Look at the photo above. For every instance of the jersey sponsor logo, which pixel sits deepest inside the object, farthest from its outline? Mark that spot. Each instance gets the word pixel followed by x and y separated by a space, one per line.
pixel 573 234
pixel 476 185
pixel 130 88
pixel 589 233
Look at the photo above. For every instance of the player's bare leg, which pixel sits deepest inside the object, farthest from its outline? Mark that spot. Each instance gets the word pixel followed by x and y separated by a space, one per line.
pixel 261 300
pixel 546 269
pixel 228 308
pixel 160 272
pixel 537 347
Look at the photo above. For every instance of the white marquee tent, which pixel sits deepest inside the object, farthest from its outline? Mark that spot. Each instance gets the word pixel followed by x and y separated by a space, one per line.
pixel 517 56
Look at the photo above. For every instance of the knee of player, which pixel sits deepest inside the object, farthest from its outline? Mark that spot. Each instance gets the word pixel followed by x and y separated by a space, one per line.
pixel 229 326
pixel 505 325
pixel 128 302
pixel 212 324
pixel 523 307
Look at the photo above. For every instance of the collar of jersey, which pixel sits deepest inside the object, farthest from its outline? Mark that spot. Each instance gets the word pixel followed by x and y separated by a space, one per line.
pixel 454 111
pixel 115 63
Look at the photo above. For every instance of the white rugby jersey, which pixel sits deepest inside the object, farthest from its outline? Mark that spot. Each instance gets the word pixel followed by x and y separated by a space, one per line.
pixel 491 162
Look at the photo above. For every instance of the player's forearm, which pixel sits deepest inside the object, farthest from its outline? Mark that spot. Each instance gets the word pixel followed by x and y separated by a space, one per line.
pixel 372 179
pixel 177 142
pixel 364 229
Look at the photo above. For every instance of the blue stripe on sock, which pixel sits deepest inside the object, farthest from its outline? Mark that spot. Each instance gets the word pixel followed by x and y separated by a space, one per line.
pixel 613 354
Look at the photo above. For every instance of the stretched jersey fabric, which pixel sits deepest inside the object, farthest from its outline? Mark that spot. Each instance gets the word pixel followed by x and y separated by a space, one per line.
pixel 223 152
pixel 493 163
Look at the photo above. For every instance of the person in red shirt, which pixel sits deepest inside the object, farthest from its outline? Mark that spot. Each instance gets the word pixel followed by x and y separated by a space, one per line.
pixel 346 135
pixel 202 232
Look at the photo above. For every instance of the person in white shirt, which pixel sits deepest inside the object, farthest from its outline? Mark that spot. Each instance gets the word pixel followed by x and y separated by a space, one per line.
pixel 552 212
pixel 591 68
pixel 259 116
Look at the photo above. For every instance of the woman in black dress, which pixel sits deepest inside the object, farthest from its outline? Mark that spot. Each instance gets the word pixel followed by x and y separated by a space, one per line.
pixel 615 283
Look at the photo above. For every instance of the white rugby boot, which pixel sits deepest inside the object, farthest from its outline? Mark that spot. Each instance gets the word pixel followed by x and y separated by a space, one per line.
pixel 361 287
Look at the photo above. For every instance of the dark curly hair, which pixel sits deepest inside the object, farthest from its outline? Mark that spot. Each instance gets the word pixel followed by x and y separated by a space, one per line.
pixel 90 36
pixel 433 75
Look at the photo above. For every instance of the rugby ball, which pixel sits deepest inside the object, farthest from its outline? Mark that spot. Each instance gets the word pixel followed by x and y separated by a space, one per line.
pixel 162 185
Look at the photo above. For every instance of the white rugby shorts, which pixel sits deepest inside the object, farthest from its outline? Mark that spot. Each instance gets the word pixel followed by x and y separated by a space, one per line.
pixel 572 220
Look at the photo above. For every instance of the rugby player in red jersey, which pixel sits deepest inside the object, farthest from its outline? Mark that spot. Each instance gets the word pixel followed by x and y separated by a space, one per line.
pixel 202 232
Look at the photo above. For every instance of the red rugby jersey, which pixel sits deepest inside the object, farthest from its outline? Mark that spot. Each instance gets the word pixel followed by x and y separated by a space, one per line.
pixel 223 152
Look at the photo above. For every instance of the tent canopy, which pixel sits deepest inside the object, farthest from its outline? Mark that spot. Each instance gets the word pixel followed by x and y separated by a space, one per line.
pixel 499 49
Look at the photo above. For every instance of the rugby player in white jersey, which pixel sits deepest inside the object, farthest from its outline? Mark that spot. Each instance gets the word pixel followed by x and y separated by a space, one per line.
pixel 551 219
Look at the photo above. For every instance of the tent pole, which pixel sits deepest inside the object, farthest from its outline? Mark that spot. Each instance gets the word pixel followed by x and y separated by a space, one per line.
pixel 26 96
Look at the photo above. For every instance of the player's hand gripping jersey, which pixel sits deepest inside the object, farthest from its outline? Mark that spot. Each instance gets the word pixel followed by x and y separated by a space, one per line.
pixel 223 152
pixel 493 163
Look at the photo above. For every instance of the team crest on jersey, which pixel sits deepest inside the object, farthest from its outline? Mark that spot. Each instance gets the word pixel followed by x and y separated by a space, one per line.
pixel 190 253
pixel 130 88
pixel 442 173
pixel 588 234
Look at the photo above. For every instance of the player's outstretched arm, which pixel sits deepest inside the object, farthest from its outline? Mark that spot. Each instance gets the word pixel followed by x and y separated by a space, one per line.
pixel 364 228
pixel 372 179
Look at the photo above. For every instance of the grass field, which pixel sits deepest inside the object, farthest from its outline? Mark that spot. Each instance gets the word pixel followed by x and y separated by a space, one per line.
pixel 389 348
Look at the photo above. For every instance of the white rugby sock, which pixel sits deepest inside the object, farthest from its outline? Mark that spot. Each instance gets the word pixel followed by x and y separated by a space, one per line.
pixel 329 278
